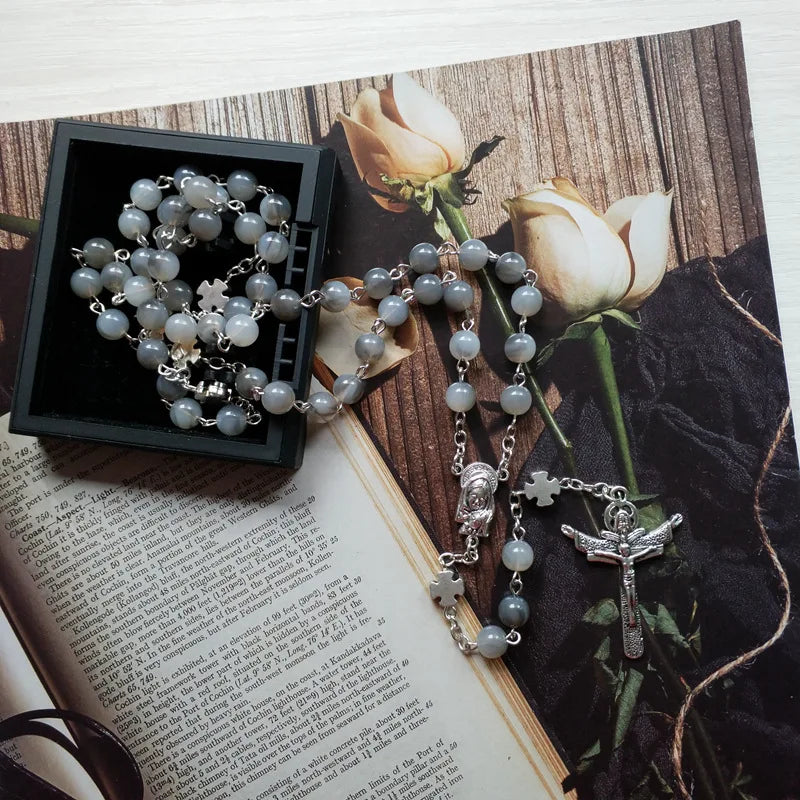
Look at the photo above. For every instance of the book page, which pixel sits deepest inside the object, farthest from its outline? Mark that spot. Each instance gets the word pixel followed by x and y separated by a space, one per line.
pixel 255 633
pixel 21 690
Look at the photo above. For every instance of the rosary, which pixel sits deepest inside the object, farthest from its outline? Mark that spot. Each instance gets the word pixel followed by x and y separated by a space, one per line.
pixel 146 279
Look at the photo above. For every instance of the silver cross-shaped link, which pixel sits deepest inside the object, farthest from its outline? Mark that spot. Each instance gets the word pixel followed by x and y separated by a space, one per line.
pixel 213 295
pixel 447 588
pixel 542 488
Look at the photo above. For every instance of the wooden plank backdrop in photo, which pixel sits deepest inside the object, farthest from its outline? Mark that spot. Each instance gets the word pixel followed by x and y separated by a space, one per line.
pixel 617 118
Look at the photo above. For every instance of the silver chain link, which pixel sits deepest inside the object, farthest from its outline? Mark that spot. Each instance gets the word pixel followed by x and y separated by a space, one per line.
pixel 517 531
pixel 465 644
pixel 460 441
pixel 468 557
pixel 507 445
pixel 600 491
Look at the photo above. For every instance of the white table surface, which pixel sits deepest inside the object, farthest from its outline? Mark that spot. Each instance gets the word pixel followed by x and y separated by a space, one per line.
pixel 61 57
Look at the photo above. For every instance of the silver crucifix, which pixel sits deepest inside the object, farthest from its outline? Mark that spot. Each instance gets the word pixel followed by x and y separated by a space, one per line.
pixel 625 544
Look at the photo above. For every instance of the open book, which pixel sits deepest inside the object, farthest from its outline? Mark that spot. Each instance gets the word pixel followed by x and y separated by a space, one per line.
pixel 249 633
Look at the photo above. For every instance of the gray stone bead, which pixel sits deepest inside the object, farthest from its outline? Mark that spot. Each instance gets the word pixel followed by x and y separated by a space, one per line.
pixel 428 289
pixel 278 397
pixel 86 282
pixel 237 305
pixel 460 396
pixel 181 329
pixel 513 611
pixel 151 315
pixel 242 330
pixel 242 185
pixel 348 388
pixel 174 245
pixel 273 247
pixel 140 260
pixel 179 293
pixel 163 265
pixel 515 400
pixel 248 379
pixel 97 252
pixel 275 208
pixel 393 310
pixel 510 267
pixel 205 224
pixel 458 295
pixel 491 641
pixel 133 222
pixel 208 325
pixel 526 301
pixel 517 555
pixel 335 296
pixel 369 348
pixel 464 344
pixel 152 352
pixel 222 195
pixel 185 413
pixel 285 305
pixel 473 254
pixel 174 210
pixel 170 390
pixel 145 194
pixel 423 258
pixel 112 324
pixel 260 287
pixel 324 407
pixel 184 171
pixel 138 289
pixel 200 192
pixel 231 420
pixel 114 275
pixel 378 283
pixel 520 348
pixel 249 227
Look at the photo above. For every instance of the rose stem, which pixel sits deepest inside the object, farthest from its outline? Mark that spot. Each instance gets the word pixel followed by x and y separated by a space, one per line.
pixel 601 352
pixel 19 225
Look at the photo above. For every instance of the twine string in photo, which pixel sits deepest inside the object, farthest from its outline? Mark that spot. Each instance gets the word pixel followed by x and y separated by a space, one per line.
pixel 785 589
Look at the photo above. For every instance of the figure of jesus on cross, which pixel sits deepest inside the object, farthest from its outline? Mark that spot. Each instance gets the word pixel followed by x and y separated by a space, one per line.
pixel 625 544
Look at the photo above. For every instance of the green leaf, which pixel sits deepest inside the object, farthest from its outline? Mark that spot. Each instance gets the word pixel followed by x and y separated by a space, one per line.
pixel 638 499
pixel 588 755
pixel 604 612
pixel 440 225
pixel 577 331
pixel 651 516
pixel 603 652
pixel 583 328
pixel 622 317
pixel 626 705
pixel 396 189
pixel 652 786
pixel 663 623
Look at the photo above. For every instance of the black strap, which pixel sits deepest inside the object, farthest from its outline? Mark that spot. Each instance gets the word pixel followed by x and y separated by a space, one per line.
pixel 120 770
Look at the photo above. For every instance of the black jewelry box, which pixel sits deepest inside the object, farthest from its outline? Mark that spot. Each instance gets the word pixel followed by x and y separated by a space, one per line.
pixel 73 383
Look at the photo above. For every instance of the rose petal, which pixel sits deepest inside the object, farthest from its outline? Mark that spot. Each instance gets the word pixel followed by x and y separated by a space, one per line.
pixel 567 187
pixel 422 113
pixel 371 159
pixel 643 224
pixel 338 332
pixel 413 156
pixel 582 263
